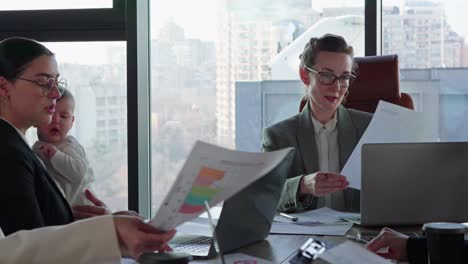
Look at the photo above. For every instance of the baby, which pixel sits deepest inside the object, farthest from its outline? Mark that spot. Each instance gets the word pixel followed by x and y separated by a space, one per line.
pixel 63 156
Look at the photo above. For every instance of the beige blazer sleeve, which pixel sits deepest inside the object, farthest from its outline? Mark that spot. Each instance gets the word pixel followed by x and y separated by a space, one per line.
pixel 88 241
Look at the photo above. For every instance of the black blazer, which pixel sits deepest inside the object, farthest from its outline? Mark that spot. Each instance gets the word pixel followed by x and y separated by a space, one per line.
pixel 416 249
pixel 29 198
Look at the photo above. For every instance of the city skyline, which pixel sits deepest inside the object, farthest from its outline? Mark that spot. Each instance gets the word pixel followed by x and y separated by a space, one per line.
pixel 206 29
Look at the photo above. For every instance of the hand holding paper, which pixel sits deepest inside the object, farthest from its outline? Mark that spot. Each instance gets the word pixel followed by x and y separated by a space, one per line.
pixel 211 174
pixel 390 124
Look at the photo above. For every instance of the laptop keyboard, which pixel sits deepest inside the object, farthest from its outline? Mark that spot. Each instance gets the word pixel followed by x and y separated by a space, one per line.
pixel 199 246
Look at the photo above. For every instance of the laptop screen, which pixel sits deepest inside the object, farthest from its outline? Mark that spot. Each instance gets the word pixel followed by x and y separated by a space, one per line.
pixel 414 183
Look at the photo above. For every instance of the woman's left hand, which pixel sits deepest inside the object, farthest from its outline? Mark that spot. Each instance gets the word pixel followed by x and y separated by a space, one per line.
pixel 99 208
pixel 87 211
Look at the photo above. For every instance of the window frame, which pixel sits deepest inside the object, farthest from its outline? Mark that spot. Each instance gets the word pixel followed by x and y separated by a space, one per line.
pixel 101 24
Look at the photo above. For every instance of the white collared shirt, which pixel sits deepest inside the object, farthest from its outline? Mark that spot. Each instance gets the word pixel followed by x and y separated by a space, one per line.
pixel 326 139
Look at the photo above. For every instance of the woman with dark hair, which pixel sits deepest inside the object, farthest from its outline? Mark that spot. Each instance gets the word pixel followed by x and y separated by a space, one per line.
pixel 29 198
pixel 324 134
pixel 29 88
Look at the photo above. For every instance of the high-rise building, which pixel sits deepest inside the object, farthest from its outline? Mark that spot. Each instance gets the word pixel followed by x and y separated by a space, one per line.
pixel 250 34
pixel 419 33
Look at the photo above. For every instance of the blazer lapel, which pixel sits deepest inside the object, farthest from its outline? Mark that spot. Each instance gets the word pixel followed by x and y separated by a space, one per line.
pixel 12 134
pixel 347 138
pixel 306 141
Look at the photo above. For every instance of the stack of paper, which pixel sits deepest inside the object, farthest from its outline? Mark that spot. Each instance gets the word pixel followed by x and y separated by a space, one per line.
pixel 350 253
pixel 321 215
pixel 322 221
pixel 310 228
pixel 239 258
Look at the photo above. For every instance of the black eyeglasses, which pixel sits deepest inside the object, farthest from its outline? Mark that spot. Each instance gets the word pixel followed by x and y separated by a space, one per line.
pixel 48 84
pixel 328 78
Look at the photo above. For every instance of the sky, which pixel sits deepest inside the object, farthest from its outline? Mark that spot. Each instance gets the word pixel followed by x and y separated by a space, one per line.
pixel 201 23
pixel 199 17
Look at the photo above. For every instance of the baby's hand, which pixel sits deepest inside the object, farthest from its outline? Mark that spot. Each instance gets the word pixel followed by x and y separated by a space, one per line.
pixel 48 150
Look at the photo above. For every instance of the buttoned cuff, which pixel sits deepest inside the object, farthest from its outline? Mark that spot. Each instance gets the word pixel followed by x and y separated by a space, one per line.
pixel 291 199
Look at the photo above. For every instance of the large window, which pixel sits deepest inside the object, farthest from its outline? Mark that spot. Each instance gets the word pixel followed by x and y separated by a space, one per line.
pixel 201 51
pixel 95 72
pixel 429 37
pixel 89 38
pixel 54 4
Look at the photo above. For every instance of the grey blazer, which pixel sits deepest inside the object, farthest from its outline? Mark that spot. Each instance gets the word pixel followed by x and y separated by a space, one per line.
pixel 298 132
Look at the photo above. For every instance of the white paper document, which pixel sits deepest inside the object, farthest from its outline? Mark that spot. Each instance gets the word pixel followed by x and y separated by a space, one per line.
pixel 311 228
pixel 239 258
pixel 390 124
pixel 213 174
pixel 351 253
pixel 320 215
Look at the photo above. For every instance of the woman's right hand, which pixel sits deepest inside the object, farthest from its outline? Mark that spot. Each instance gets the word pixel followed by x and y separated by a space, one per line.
pixel 393 241
pixel 136 237
pixel 322 183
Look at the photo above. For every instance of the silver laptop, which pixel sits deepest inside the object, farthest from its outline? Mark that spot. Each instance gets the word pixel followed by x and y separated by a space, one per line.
pixel 199 246
pixel 414 183
pixel 246 217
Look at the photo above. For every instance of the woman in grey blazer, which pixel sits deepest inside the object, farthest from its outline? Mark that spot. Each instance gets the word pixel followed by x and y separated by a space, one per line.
pixel 324 134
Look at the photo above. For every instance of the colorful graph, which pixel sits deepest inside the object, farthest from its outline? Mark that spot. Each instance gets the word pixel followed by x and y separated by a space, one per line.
pixel 202 190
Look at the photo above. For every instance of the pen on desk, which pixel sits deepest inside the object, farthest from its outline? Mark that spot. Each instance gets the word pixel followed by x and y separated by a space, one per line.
pixel 290 217
pixel 357 239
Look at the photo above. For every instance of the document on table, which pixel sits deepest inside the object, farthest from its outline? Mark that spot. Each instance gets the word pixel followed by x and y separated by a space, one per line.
pixel 390 124
pixel 320 215
pixel 239 258
pixel 311 228
pixel 213 174
pixel 350 253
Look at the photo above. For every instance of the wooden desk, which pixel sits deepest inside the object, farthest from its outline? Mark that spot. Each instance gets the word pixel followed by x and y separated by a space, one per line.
pixel 280 248
pixel 276 248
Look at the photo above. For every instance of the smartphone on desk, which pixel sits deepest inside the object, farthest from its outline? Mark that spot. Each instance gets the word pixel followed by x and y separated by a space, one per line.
pixel 369 235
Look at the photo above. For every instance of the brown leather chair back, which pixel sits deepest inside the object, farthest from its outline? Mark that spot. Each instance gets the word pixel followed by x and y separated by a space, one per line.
pixel 377 79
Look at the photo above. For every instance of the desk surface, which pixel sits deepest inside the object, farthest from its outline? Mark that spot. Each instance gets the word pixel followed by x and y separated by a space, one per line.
pixel 279 248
